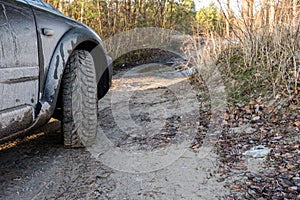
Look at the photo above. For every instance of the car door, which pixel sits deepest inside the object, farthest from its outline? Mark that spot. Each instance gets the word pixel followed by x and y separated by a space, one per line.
pixel 19 66
pixel 51 26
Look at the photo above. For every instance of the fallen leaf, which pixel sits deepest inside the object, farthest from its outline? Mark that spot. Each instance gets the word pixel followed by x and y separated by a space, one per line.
pixel 297 123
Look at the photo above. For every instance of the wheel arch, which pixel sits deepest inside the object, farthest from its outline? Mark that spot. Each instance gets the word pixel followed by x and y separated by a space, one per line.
pixel 75 39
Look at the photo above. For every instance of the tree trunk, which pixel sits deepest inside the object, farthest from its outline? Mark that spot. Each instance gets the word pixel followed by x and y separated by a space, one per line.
pixel 247 12
pixel 272 15
pixel 82 11
pixel 295 10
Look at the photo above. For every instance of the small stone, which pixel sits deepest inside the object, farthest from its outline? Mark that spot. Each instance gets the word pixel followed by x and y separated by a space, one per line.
pixel 254 187
pixel 243 129
pixel 296 180
pixel 239 105
pixel 277 138
pixel 256 118
pixel 257 179
pixel 252 193
pixel 293 188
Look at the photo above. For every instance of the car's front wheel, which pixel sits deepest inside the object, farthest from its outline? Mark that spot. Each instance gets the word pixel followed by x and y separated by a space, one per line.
pixel 79 100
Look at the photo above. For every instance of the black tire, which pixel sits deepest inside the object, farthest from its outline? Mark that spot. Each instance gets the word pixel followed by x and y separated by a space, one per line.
pixel 79 100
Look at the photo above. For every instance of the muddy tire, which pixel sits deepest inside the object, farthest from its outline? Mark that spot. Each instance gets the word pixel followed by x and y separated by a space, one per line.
pixel 79 100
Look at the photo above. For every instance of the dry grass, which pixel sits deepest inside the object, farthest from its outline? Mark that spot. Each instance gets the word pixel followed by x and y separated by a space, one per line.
pixel 256 60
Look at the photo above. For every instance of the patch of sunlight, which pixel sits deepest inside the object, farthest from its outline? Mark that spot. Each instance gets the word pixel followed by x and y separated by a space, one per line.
pixel 17 142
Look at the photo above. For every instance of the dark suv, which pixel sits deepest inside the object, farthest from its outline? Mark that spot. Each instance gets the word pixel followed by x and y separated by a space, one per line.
pixel 50 66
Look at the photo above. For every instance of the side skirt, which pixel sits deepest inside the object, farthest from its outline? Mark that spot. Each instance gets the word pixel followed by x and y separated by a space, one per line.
pixel 16 119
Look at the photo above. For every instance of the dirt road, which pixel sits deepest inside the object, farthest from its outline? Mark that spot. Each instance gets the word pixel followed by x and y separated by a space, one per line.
pixel 148 126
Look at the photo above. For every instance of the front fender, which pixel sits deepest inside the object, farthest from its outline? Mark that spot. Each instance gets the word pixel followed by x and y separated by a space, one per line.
pixel 77 38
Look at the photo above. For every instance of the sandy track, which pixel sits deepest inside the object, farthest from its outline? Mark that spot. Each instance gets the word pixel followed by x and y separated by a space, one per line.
pixel 148 122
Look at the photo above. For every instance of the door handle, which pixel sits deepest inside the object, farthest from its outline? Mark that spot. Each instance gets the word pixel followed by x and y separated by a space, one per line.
pixel 48 32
